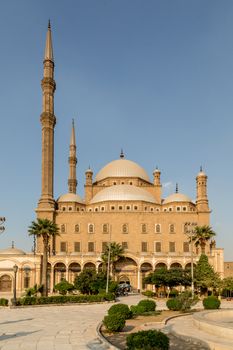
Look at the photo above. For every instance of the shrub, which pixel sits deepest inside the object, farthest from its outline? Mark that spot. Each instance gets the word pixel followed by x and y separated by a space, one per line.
pixel 137 310
pixel 114 322
pixel 148 305
pixel 173 304
pixel 121 309
pixel 182 302
pixel 63 287
pixel 147 340
pixel 211 302
pixel 149 294
pixel 3 302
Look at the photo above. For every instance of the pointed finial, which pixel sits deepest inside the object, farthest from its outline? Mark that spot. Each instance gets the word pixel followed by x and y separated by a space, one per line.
pixel 201 168
pixel 49 25
pixel 72 138
pixel 156 167
pixel 122 154
pixel 177 189
pixel 12 244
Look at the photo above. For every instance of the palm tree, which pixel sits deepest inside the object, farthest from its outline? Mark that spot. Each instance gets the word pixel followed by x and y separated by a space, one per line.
pixel 116 252
pixel 202 235
pixel 44 228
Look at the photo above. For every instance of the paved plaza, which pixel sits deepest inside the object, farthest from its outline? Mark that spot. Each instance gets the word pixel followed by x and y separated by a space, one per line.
pixel 58 327
pixel 53 327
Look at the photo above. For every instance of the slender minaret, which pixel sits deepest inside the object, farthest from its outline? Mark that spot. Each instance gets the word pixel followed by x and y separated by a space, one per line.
pixel 48 122
pixel 201 188
pixel 157 184
pixel 72 181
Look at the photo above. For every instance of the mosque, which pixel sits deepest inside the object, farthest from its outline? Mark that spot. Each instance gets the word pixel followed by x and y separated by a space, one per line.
pixel 121 204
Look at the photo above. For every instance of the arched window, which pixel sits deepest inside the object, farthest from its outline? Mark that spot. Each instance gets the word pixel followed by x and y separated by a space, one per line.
pixel 105 228
pixel 125 228
pixel 158 228
pixel 26 277
pixel 77 228
pixel 90 228
pixel 172 228
pixel 63 228
pixel 144 228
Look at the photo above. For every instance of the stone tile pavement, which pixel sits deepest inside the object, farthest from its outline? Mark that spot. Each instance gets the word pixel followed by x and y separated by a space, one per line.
pixel 56 327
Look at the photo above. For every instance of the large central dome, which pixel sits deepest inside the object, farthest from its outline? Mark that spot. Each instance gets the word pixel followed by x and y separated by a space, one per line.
pixel 122 168
pixel 123 193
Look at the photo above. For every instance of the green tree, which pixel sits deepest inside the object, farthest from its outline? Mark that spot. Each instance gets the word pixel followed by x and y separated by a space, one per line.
pixel 202 235
pixel 116 252
pixel 204 275
pixel 46 229
pixel 63 287
pixel 227 286
pixel 90 282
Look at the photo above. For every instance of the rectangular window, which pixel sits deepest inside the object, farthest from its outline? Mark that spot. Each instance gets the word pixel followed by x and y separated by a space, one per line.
pixel 172 247
pixel 144 247
pixel 125 245
pixel 158 247
pixel 77 247
pixel 186 247
pixel 91 247
pixel 63 247
pixel 104 246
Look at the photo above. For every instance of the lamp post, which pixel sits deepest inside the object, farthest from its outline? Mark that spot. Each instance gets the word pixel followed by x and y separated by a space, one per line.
pixel 2 220
pixel 190 230
pixel 109 255
pixel 15 269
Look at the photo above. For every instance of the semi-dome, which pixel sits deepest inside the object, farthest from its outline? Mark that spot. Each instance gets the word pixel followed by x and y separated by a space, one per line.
pixel 177 197
pixel 122 168
pixel 70 197
pixel 123 193
pixel 12 251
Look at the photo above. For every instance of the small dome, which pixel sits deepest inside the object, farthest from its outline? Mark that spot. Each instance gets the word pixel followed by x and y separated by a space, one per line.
pixel 177 197
pixel 70 197
pixel 12 251
pixel 123 193
pixel 201 173
pixel 122 168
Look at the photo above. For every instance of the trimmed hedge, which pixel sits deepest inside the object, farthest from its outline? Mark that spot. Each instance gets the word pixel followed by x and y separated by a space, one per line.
pixel 4 302
pixel 148 305
pixel 121 309
pixel 211 302
pixel 147 340
pixel 174 304
pixel 63 299
pixel 114 322
pixel 149 294
pixel 137 310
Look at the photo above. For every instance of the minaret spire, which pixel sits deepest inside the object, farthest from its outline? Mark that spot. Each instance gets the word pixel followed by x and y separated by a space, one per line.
pixel 72 181
pixel 48 54
pixel 48 121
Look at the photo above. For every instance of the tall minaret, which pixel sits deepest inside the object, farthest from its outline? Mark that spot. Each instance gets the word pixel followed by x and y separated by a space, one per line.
pixel 72 181
pixel 201 188
pixel 48 122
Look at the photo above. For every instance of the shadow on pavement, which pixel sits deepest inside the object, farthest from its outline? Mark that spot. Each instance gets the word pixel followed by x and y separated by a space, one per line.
pixel 25 319
pixel 6 336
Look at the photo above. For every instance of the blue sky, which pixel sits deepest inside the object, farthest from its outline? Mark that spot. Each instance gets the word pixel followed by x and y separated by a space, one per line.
pixel 152 77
